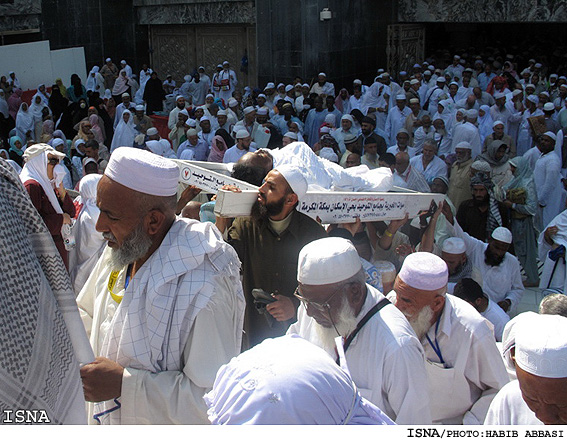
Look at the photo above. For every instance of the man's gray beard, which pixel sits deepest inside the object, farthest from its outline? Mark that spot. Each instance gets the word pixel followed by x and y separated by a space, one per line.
pixel 135 246
pixel 346 323
pixel 421 322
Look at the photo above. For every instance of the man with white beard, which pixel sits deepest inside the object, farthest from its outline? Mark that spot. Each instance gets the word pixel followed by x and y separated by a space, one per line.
pixel 385 358
pixel 464 367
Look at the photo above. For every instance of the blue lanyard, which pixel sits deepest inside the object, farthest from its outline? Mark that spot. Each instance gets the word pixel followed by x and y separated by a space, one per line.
pixel 128 272
pixel 435 346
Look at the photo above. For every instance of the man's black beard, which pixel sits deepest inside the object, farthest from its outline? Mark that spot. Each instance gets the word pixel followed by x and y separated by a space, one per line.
pixel 262 212
pixel 478 203
pixel 180 106
pixel 457 270
pixel 492 259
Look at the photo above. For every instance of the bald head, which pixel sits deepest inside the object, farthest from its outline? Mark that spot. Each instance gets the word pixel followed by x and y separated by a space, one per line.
pixel 402 162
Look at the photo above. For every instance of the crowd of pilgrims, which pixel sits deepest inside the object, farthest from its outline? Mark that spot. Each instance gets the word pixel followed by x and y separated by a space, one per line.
pixel 459 126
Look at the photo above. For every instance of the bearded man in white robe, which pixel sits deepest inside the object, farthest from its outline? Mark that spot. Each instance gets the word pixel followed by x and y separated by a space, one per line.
pixel 164 305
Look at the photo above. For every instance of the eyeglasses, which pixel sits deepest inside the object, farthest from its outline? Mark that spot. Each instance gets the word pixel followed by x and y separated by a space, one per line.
pixel 321 307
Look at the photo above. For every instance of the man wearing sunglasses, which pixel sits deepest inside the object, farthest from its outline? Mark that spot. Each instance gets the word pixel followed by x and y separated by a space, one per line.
pixel 382 352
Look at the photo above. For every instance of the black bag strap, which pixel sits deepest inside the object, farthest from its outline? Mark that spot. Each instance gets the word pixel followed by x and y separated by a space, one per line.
pixel 376 308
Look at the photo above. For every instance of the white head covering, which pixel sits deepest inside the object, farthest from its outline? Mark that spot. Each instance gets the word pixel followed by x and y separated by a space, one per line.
pixel 329 154
pixel 327 260
pixel 35 168
pixel 152 131
pixel 143 171
pixel 497 123
pixel 262 111
pixel 454 245
pixel 287 380
pixel 291 135
pixel 463 145
pixel 424 271
pixel 551 135
pixel 248 110
pixel 242 133
pixel 295 177
pixel 124 133
pixel 502 234
pixel 541 346
pixel 548 107
pixel 482 166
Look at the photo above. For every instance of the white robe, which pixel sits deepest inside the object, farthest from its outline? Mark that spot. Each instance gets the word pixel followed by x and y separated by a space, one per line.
pixel 525 141
pixel 509 408
pixel 549 189
pixel 394 122
pixel 461 391
pixel 385 360
pixel 496 315
pixel 233 154
pixel 124 133
pixel 180 319
pixel 553 276
pixel 437 167
pixel 467 132
pixel 502 282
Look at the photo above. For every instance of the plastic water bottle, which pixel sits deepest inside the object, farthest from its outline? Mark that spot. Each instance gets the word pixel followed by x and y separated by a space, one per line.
pixel 68 236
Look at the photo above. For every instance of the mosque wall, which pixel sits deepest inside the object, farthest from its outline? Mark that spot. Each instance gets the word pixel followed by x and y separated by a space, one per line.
pixel 502 11
pixel 20 16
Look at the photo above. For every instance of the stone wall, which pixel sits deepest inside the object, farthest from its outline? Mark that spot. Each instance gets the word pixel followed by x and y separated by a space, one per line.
pixel 503 11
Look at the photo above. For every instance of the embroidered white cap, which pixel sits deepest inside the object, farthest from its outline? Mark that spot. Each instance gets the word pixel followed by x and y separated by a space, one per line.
pixel 295 177
pixel 541 345
pixel 152 131
pixel 454 245
pixel 143 171
pixel 327 260
pixel 424 271
pixel 502 234
pixel 242 133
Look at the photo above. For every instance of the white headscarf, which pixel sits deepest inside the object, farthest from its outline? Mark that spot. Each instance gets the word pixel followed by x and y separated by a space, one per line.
pixel 24 123
pixel 91 80
pixel 121 84
pixel 125 133
pixel 288 380
pixel 36 169
pixel 4 105
pixel 35 109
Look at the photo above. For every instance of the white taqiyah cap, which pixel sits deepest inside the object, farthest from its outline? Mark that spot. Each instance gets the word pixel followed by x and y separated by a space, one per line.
pixel 548 107
pixel 472 113
pixel 516 92
pixel 232 102
pixel 327 260
pixel 288 87
pixel 248 110
pixel 541 345
pixel 538 65
pixel 201 67
pixel 400 97
pixel 108 59
pixel 291 135
pixel 139 107
pixel 563 86
pixel 205 118
pixel 424 271
pixel 348 117
pixel 242 133
pixel 192 132
pixel 414 100
pixel 502 234
pixel 262 111
pixel 329 154
pixel 322 74
pixel 152 131
pixel 499 95
pixel 357 82
pixel 325 129
pixel 454 245
pixel 178 97
pixel 530 86
pixel 497 123
pixel 191 122
pixel 441 79
pixel 184 112
pixel 225 62
pixel 553 75
pixel 261 95
pixel 305 85
pixel 295 177
pixel 123 62
pixel 125 94
pixel 463 145
pixel 551 135
pixel 143 171
pixel 414 81
pixel 280 85
pixel 270 85
pixel 534 99
pixel 222 112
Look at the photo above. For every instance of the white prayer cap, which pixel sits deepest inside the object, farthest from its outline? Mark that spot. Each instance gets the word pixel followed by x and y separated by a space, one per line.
pixel 348 117
pixel 291 135
pixel 219 65
pixel 178 97
pixel 427 72
pixel 380 71
pixel 295 177
pixel 482 166
pixel 280 85
pixel 288 87
pixel 187 77
pixel 541 345
pixel 191 122
pixel 516 92
pixel 456 57
pixel 143 171
pixel 184 112
pixel 327 260
pixel 201 68
pixel 400 97
pixel 270 86
pixel 538 65
pixel 322 74
pixel 414 81
pixel 242 133
pixel 107 60
pixel 416 66
pixel 454 82
pixel 222 112
pixel 424 271
pixel 563 86
pixel 305 85
pixel 472 113
pixel 551 135
pixel 232 102
pixel 152 131
pixel 261 95
pixel 123 62
pixel 502 234
pixel 441 79
pixel 248 110
pixel 499 95
pixel 357 82
pixel 330 119
pixel 454 245
pixel 36 149
pixel 329 154
pixel 139 107
pixel 548 107
pixel 403 72
pixel 553 75
pixel 325 129
pixel 497 123
pixel 544 93
pixel 204 118
pixel 192 132
pixel 534 99
pixel 225 62
pixel 262 111
pixel 463 145
pixel 563 77
pixel 125 94
pixel 414 100
pixel 531 60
